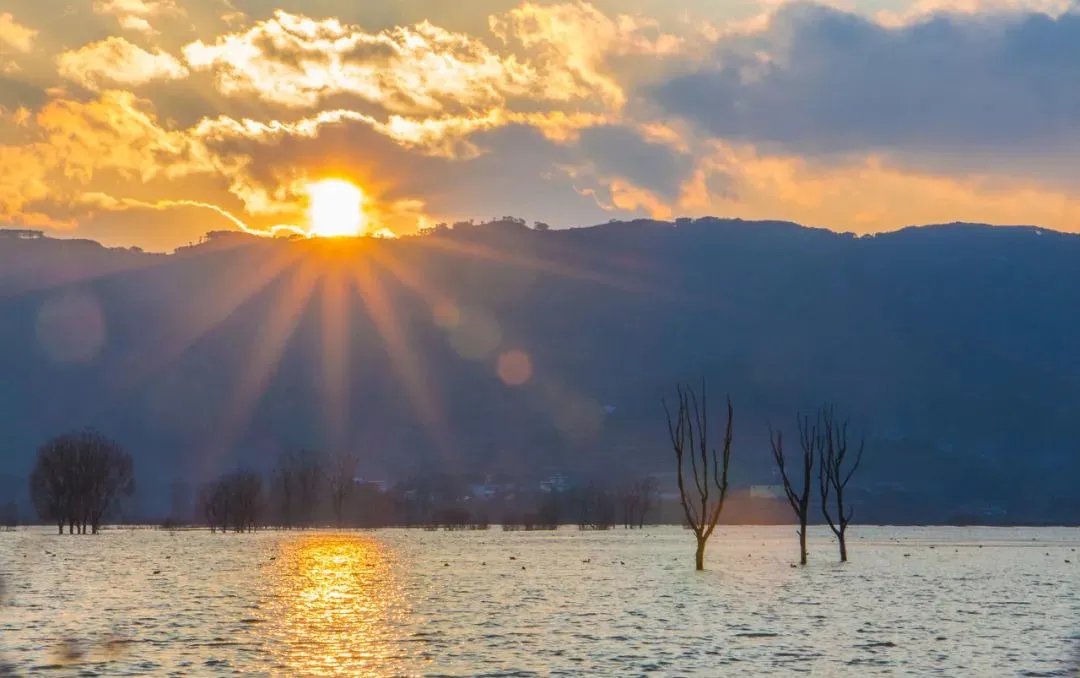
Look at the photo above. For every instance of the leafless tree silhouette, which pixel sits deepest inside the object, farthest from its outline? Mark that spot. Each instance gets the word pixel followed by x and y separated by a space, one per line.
pixel 340 479
pixel 596 508
pixel 834 474
pixel 213 504
pixel 689 431
pixel 234 502
pixel 809 440
pixel 296 488
pixel 637 499
pixel 77 478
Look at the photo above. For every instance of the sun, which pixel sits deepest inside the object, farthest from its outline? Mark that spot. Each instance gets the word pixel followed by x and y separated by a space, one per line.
pixel 336 209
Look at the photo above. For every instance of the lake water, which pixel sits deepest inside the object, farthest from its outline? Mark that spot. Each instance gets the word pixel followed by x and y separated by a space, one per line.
pixel 912 601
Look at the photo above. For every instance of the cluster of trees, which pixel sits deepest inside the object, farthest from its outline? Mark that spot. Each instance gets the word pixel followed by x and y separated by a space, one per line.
pixel 824 444
pixel 78 478
pixel 301 489
pixel 306 489
pixel 233 502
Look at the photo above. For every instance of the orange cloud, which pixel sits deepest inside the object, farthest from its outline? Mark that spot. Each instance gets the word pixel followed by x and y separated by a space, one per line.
pixel 866 195
pixel 115 61
pixel 14 35
pixel 116 132
pixel 297 61
pixel 571 42
pixel 135 15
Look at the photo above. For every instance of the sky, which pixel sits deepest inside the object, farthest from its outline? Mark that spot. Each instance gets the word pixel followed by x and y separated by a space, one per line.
pixel 150 122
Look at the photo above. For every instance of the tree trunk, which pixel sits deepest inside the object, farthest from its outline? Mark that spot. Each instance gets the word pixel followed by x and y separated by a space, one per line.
pixel 843 548
pixel 802 544
pixel 699 556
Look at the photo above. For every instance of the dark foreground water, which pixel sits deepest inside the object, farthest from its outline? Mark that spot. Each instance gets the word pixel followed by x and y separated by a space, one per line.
pixel 913 601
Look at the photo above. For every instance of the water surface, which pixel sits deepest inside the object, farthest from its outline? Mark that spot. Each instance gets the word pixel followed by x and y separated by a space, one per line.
pixel 912 601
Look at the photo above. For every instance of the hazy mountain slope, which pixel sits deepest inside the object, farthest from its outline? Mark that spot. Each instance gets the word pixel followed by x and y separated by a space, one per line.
pixel 954 347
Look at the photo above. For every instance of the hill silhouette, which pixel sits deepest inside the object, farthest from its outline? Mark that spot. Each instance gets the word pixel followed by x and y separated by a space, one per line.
pixel 497 348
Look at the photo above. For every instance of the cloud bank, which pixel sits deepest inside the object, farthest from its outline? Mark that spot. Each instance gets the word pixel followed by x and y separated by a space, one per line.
pixel 172 119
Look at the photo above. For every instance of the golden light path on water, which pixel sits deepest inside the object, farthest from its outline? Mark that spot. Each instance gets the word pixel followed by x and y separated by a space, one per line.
pixel 912 601
pixel 335 606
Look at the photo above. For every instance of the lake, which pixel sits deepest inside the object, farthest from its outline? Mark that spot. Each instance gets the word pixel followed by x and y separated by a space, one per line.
pixel 912 601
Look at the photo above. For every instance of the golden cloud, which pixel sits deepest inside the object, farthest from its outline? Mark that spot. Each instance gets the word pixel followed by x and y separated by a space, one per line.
pixel 135 15
pixel 429 121
pixel 115 61
pixel 570 43
pixel 14 35
pixel 865 195
pixel 24 181
pixel 116 132
pixel 297 61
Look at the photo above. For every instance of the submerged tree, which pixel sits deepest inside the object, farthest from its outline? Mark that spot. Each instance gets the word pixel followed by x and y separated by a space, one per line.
pixel 637 499
pixel 78 478
pixel 296 485
pixel 596 508
pixel 834 473
pixel 689 431
pixel 800 500
pixel 340 479
pixel 233 502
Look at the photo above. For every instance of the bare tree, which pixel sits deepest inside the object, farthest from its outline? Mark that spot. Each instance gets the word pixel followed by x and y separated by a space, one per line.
pixel 245 500
pixel 810 441
pixel 834 473
pixel 233 501
pixel 340 478
pixel 637 499
pixel 52 483
pixel 296 484
pixel 689 431
pixel 596 508
pixel 78 478
pixel 108 473
pixel 213 505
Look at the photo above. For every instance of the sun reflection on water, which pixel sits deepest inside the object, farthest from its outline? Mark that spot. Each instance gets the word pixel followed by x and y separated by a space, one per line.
pixel 336 603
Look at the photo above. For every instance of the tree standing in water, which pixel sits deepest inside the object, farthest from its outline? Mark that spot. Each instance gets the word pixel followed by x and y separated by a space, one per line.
pixel 340 480
pixel 689 431
pixel 809 440
pixel 78 478
pixel 834 473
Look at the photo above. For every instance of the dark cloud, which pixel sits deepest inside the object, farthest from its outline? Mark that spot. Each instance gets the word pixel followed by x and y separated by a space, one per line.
pixel 834 81
pixel 15 92
pixel 622 152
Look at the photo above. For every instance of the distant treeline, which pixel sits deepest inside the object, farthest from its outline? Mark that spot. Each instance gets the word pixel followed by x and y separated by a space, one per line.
pixel 307 489
pixel 83 480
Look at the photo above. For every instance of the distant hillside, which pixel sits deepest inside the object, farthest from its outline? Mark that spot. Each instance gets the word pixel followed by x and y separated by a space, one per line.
pixel 954 347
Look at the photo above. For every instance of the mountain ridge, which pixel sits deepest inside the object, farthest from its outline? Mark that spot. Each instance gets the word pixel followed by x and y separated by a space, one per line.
pixel 950 346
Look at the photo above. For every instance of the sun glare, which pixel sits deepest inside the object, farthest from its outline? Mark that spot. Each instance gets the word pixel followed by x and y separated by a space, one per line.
pixel 336 209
